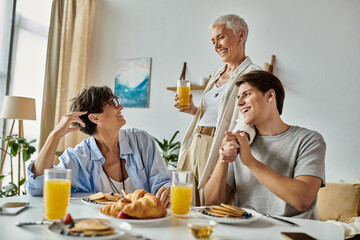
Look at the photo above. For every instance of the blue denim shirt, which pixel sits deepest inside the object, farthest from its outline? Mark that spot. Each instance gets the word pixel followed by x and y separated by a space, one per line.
pixel 144 164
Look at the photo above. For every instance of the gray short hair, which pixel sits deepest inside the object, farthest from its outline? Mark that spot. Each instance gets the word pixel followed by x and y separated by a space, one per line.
pixel 233 22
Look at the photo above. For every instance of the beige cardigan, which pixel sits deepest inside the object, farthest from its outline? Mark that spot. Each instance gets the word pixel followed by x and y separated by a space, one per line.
pixel 228 117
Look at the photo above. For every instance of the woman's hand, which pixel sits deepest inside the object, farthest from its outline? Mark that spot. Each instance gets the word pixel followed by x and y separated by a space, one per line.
pixel 46 155
pixel 229 148
pixel 192 108
pixel 65 124
pixel 163 194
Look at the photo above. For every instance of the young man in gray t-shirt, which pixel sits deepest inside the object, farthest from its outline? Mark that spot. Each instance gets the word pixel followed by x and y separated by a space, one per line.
pixel 282 171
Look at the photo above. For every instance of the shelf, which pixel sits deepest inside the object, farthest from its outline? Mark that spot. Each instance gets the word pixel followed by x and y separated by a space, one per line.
pixel 192 87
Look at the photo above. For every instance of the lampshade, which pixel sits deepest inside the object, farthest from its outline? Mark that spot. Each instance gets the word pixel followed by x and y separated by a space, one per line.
pixel 18 108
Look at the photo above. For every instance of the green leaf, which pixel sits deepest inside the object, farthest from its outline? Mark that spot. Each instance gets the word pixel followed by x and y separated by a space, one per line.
pixel 174 136
pixel 174 149
pixel 9 187
pixel 172 164
pixel 159 143
pixel 173 157
pixel 2 176
pixel 22 182
pixel 25 145
pixel 21 140
pixel 31 150
pixel 166 143
pixel 166 161
pixel 14 149
pixel 9 138
pixel 32 141
pixel 174 145
pixel 168 147
pixel 26 156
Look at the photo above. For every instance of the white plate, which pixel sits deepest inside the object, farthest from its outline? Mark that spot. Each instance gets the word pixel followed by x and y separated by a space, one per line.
pixel 139 221
pixel 92 203
pixel 56 228
pixel 254 216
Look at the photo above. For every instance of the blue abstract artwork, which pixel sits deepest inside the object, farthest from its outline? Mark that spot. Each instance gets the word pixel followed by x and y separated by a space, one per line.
pixel 132 82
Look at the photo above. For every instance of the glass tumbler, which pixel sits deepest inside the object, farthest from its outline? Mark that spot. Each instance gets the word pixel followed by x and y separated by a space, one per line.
pixel 180 193
pixel 183 94
pixel 57 184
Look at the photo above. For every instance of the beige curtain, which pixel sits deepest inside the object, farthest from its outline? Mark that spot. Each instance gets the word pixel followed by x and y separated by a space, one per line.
pixel 67 63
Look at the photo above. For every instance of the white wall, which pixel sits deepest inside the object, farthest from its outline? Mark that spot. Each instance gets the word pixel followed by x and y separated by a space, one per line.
pixel 317 48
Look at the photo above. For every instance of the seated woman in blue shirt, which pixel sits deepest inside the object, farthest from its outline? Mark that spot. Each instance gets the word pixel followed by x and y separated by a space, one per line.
pixel 109 160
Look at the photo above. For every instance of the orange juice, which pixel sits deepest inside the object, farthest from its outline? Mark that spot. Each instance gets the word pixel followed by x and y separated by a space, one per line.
pixel 180 198
pixel 183 93
pixel 56 198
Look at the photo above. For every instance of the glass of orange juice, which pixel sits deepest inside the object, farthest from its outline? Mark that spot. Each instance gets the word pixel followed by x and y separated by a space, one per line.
pixel 180 193
pixel 183 94
pixel 57 184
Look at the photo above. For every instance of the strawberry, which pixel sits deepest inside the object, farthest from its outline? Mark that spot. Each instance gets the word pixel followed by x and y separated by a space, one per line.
pixel 67 219
pixel 122 215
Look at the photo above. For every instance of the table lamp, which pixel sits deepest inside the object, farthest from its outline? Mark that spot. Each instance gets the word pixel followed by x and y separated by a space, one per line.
pixel 20 108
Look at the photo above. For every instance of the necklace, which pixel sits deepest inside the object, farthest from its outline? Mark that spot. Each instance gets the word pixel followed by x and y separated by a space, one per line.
pixel 112 185
pixel 219 89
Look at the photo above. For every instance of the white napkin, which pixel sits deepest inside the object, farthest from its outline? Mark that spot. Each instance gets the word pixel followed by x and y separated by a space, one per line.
pixel 351 227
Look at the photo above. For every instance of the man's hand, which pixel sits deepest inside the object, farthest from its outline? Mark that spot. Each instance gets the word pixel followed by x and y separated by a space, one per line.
pixel 192 108
pixel 163 194
pixel 245 134
pixel 245 150
pixel 65 124
pixel 229 148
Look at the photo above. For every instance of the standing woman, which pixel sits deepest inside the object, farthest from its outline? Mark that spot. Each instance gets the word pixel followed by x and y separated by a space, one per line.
pixel 217 111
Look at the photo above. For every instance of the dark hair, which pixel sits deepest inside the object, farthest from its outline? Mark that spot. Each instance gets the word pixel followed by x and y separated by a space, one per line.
pixel 264 81
pixel 92 100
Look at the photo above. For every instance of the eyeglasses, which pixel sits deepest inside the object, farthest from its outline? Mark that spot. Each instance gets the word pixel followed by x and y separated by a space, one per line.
pixel 113 102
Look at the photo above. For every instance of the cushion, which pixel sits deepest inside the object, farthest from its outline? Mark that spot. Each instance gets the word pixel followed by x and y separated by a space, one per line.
pixel 338 201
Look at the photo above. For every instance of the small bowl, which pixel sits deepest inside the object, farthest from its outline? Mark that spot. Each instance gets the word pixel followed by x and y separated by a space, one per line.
pixel 201 228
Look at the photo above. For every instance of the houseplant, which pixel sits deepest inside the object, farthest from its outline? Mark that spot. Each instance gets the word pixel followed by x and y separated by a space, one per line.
pixel 169 153
pixel 17 145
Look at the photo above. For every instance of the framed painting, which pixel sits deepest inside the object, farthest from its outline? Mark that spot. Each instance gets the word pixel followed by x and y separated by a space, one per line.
pixel 132 82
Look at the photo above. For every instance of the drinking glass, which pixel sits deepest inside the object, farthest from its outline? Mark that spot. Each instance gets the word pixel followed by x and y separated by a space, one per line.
pixel 180 193
pixel 57 184
pixel 201 228
pixel 183 94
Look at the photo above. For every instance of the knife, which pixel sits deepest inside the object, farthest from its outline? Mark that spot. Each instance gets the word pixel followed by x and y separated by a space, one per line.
pixel 199 208
pixel 281 220
pixel 126 227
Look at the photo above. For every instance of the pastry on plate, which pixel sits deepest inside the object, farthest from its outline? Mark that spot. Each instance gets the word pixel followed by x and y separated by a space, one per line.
pixel 139 204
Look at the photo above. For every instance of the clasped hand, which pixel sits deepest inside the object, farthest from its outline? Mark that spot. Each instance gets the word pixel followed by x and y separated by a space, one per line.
pixel 234 144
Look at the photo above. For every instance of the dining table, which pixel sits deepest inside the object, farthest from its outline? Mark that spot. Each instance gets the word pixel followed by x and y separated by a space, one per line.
pixel 169 228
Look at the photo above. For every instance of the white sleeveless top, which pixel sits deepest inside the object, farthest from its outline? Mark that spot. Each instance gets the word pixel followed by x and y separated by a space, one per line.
pixel 211 106
pixel 106 187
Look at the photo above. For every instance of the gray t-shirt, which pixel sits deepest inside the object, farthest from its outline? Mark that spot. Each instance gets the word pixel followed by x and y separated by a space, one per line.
pixel 297 151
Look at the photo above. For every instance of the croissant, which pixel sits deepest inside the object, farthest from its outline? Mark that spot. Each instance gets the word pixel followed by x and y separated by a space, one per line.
pixel 139 204
pixel 114 208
